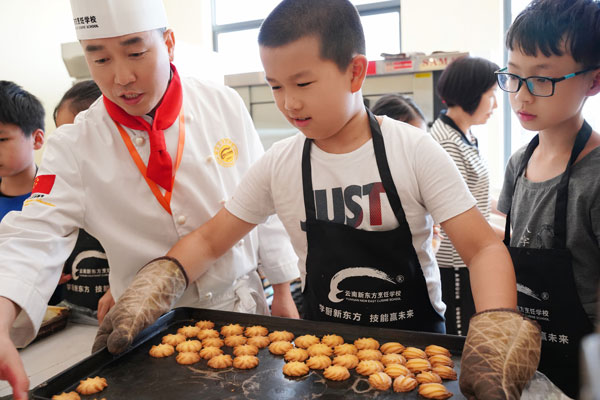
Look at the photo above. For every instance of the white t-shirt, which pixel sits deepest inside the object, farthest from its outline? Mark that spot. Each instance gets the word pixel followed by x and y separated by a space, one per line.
pixel 348 186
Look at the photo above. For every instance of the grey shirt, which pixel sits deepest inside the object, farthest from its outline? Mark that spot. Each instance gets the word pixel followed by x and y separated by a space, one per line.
pixel 532 219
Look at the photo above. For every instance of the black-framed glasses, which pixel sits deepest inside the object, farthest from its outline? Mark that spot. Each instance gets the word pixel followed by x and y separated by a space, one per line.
pixel 541 86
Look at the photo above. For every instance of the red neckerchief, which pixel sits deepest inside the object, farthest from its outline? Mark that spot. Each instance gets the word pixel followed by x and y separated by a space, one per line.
pixel 160 166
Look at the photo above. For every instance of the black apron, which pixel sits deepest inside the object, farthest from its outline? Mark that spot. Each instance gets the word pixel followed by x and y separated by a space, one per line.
pixel 546 286
pixel 362 277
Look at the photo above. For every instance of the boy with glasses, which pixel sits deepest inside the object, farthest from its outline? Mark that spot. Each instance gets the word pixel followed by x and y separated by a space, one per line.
pixel 551 187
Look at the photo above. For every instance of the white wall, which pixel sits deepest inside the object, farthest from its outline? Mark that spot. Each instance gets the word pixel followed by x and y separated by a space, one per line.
pixel 461 25
pixel 32 31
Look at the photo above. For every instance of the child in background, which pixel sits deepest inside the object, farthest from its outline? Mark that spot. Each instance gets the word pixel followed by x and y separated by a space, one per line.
pixel 85 276
pixel 363 235
pixel 21 133
pixel 551 191
pixel 402 108
pixel 467 87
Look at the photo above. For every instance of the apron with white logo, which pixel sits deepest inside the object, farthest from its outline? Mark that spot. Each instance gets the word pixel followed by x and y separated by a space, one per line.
pixel 365 277
pixel 546 286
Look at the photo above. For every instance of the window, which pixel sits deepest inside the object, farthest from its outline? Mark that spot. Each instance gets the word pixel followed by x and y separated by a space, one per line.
pixel 236 24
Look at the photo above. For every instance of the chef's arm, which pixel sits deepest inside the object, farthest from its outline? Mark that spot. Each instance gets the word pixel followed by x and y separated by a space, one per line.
pixel 283 304
pixel 490 267
pixel 11 366
pixel 502 349
pixel 198 249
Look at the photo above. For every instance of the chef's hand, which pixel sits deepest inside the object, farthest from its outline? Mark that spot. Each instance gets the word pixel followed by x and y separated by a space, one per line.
pixel 11 366
pixel 105 303
pixel 283 304
pixel 153 292
pixel 501 354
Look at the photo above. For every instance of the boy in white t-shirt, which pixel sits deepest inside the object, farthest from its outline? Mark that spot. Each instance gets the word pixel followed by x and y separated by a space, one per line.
pixel 361 221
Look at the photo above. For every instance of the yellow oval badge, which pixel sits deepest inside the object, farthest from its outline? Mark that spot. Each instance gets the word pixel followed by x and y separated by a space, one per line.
pixel 226 152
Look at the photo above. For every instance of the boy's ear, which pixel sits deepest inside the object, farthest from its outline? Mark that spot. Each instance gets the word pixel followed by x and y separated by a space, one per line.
pixel 359 72
pixel 38 139
pixel 169 38
pixel 595 89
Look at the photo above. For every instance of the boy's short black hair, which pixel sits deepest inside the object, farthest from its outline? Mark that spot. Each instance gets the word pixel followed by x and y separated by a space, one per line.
pixel 81 96
pixel 545 25
pixel 335 23
pixel 465 80
pixel 20 108
pixel 398 107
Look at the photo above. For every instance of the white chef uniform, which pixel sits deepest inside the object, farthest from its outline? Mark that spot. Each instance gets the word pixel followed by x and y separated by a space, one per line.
pixel 99 188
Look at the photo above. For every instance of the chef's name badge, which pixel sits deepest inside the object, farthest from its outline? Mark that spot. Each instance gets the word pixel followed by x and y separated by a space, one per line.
pixel 226 152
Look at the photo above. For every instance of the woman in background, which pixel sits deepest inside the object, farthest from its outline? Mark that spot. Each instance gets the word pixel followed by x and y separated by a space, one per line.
pixel 467 86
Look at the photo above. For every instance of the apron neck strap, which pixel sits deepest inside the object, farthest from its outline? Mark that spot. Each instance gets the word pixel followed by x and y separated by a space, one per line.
pixel 562 190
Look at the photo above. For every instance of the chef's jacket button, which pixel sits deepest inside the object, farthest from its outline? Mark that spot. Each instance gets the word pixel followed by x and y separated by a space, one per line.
pixel 240 243
pixel 208 295
pixel 209 159
pixel 139 141
pixel 189 118
pixel 181 219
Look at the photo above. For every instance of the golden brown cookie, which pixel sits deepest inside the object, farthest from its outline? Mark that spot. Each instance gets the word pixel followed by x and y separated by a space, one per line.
pixel 245 350
pixel 366 343
pixel 220 362
pixel 332 340
pixel 336 373
pixel 405 384
pixel 396 370
pixel 369 354
pixel 280 347
pixel 413 352
pixel 207 333
pixel 235 340
pixel 161 350
pixel 319 349
pixel 259 341
pixel 91 385
pixel 296 354
pixel 369 367
pixel 209 352
pixel 256 330
pixel 188 331
pixel 345 348
pixel 173 339
pixel 305 341
pixel 213 342
pixel 277 336
pixel 416 365
pixel 440 359
pixel 318 362
pixel 435 391
pixel 428 377
pixel 66 396
pixel 433 350
pixel 347 360
pixel 393 358
pixel 189 345
pixel 245 362
pixel 187 357
pixel 445 372
pixel 232 329
pixel 380 381
pixel 295 368
pixel 392 348
pixel 204 324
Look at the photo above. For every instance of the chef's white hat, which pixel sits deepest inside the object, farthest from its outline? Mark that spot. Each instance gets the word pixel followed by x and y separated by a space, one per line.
pixel 95 19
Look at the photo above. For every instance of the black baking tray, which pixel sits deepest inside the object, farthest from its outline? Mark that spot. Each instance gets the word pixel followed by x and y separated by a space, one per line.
pixel 136 375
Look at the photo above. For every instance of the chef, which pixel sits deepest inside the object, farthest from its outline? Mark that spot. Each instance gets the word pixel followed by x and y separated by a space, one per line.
pixel 155 157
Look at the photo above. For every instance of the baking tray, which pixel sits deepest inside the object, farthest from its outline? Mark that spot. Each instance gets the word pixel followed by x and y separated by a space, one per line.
pixel 55 319
pixel 136 375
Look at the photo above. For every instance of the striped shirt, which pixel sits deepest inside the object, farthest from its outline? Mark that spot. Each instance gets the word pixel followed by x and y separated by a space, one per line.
pixel 474 171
